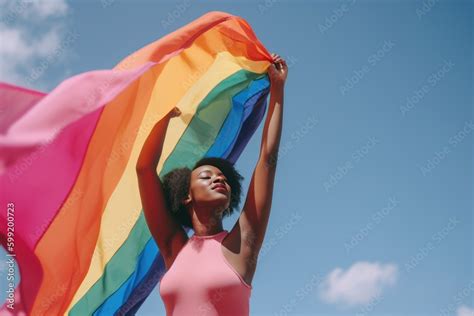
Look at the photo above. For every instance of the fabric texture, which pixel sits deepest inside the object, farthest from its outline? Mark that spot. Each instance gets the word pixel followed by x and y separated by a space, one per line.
pixel 67 161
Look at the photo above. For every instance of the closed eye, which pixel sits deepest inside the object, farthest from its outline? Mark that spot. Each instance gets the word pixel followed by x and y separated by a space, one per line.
pixel 210 177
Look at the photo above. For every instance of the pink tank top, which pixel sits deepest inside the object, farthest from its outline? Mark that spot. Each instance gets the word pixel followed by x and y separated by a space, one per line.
pixel 202 282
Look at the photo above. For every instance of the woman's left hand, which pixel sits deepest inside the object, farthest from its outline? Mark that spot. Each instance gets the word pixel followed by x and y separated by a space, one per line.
pixel 278 71
pixel 175 112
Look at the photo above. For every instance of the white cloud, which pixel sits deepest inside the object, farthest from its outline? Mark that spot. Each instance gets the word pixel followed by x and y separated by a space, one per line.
pixel 359 285
pixel 465 311
pixel 31 33
pixel 32 9
pixel 46 8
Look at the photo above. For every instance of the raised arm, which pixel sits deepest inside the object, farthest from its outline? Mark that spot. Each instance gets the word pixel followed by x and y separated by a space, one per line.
pixel 166 231
pixel 256 210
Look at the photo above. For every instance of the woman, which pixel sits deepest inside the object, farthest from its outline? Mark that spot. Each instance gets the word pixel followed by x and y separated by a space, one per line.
pixel 214 270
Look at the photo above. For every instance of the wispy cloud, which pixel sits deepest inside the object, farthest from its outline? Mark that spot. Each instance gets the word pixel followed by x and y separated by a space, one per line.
pixel 359 284
pixel 465 311
pixel 31 32
pixel 47 8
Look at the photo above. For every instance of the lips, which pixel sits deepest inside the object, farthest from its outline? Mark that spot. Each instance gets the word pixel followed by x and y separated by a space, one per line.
pixel 220 187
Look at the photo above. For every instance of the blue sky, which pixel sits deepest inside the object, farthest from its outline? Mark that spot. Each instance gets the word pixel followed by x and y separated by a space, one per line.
pixel 373 203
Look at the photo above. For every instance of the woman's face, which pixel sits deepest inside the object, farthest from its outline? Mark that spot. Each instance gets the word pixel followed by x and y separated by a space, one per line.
pixel 209 187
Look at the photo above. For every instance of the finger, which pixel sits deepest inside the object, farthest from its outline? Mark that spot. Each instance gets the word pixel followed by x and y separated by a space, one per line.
pixel 272 69
pixel 276 57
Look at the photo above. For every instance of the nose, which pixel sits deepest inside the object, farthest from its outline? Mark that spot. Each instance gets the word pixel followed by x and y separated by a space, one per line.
pixel 219 178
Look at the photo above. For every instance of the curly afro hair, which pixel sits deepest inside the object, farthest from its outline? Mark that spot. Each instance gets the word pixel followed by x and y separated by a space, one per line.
pixel 176 186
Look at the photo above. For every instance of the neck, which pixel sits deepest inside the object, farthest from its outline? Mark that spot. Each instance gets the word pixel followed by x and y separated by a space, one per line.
pixel 210 223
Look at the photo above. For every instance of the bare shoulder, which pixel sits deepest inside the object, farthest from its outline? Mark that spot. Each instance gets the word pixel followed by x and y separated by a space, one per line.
pixel 240 238
pixel 177 243
pixel 238 249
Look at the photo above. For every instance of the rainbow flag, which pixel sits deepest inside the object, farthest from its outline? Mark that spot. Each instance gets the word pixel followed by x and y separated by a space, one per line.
pixel 67 161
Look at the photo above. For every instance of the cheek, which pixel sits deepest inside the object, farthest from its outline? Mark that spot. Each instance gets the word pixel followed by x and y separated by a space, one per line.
pixel 200 188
